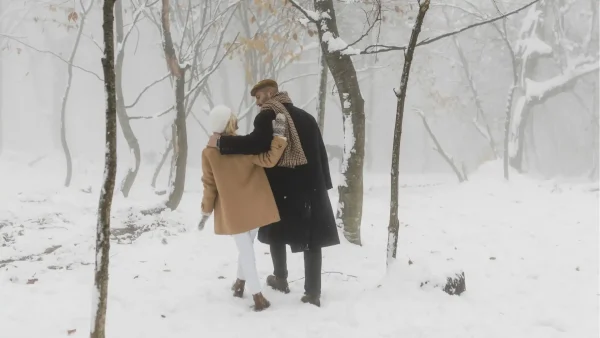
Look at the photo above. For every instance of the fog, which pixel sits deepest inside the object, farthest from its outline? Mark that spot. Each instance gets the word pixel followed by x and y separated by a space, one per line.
pixel 561 132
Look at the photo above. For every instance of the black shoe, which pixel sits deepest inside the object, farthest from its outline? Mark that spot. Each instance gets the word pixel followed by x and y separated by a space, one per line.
pixel 314 300
pixel 278 284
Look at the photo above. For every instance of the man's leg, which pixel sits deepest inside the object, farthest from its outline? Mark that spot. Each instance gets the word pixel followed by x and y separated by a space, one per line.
pixel 313 261
pixel 278 280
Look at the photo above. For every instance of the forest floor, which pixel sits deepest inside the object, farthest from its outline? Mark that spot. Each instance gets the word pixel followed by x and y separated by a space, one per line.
pixel 529 250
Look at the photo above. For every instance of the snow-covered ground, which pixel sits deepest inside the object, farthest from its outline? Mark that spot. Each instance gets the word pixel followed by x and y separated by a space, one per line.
pixel 529 250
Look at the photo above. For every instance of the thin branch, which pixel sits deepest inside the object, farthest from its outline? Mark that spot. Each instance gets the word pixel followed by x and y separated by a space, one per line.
pixel 297 77
pixel 53 54
pixel 374 49
pixel 146 89
pixel 308 16
pixel 153 116
pixel 365 34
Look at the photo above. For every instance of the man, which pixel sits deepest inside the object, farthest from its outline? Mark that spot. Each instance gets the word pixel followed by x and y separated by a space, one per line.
pixel 299 182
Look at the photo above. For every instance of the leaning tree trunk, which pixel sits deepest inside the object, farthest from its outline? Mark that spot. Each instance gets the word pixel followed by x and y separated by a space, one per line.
pixel 163 159
pixel 132 141
pixel 110 171
pixel 322 101
pixel 342 70
pixel 180 150
pixel 394 224
pixel 461 176
pixel 65 98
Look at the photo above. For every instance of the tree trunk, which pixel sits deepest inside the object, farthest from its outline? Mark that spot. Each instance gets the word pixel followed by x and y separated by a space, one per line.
pixel 593 175
pixel 509 99
pixel 108 186
pixel 342 69
pixel 176 186
pixel 394 224
pixel 65 98
pixel 322 101
pixel 132 141
pixel 163 159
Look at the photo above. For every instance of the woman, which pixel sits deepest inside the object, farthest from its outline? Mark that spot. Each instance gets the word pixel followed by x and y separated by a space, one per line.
pixel 237 189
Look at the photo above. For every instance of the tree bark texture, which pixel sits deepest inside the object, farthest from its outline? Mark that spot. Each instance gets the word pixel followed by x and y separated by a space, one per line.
pixel 394 225
pixel 180 146
pixel 108 186
pixel 322 101
pixel 342 70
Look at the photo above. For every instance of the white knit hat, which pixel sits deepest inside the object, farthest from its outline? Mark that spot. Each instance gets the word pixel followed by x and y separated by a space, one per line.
pixel 219 116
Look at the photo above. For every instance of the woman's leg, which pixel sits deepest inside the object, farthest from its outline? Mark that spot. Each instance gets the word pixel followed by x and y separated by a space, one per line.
pixel 247 261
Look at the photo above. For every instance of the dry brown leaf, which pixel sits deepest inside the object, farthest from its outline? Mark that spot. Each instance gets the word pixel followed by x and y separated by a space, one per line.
pixel 73 16
pixel 71 332
pixel 32 281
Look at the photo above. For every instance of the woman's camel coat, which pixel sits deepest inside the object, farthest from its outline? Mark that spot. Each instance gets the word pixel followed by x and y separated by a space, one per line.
pixel 237 189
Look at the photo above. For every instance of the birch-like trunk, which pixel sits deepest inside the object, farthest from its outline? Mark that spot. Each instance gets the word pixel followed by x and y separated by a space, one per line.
pixel 65 98
pixel 342 70
pixel 124 122
pixel 100 294
pixel 177 184
pixel 394 225
pixel 322 101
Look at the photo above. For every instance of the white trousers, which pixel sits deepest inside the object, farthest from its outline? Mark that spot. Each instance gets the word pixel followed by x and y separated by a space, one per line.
pixel 246 260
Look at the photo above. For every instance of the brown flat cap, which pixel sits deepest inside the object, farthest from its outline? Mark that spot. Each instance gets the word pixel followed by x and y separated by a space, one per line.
pixel 262 84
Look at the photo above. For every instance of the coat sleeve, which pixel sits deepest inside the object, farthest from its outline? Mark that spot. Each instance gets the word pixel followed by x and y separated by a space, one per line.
pixel 210 188
pixel 257 142
pixel 271 157
pixel 324 162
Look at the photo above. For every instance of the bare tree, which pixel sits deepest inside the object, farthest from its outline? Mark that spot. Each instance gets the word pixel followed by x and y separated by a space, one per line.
pixel 394 224
pixel 124 121
pixel 179 127
pixel 342 69
pixel 574 59
pixel 65 98
pixel 189 56
pixel 100 297
pixel 479 121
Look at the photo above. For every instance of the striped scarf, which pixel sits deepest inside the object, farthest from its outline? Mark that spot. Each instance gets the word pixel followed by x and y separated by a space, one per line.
pixel 294 154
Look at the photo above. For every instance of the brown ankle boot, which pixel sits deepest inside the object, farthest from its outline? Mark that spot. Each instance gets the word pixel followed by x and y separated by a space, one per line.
pixel 278 284
pixel 238 288
pixel 260 302
pixel 310 299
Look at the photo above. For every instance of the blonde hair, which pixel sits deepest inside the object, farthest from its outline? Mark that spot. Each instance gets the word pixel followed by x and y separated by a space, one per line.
pixel 232 126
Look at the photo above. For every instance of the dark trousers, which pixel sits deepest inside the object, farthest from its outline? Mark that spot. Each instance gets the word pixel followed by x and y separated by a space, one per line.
pixel 312 267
